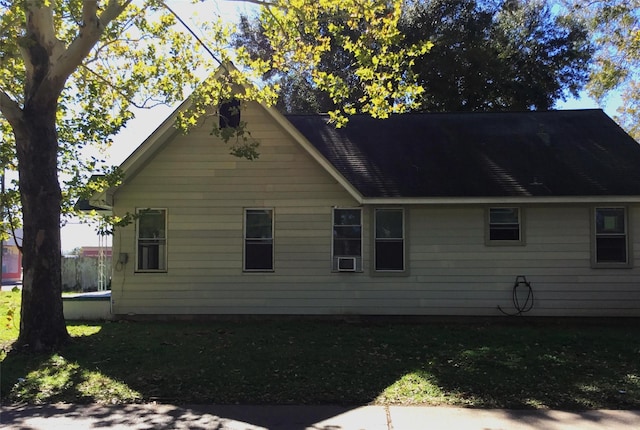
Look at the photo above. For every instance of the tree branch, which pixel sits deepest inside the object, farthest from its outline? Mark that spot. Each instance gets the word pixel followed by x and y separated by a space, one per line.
pixel 88 35
pixel 10 109
pixel 12 224
pixel 142 105
pixel 40 23
pixel 112 11
pixel 89 11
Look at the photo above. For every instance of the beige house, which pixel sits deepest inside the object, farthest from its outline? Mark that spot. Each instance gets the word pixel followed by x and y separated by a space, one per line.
pixel 420 214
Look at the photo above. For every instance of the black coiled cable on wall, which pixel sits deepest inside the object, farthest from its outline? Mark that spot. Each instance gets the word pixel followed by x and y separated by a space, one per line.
pixel 520 307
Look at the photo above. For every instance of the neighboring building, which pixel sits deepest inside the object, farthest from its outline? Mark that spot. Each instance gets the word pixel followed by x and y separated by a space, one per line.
pixel 420 214
pixel 12 259
pixel 94 251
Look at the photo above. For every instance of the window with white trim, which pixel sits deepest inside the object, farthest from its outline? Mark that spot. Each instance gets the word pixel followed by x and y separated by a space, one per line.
pixel 151 227
pixel 258 240
pixel 347 239
pixel 389 239
pixel 611 236
pixel 505 225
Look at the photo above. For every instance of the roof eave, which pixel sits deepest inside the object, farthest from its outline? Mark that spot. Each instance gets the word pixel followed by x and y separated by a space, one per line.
pixel 150 146
pixel 314 153
pixel 102 201
pixel 517 200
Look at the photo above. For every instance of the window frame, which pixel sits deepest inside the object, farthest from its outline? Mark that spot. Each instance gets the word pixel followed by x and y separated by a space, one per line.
pixel 162 242
pixel 334 256
pixel 402 240
pixel 595 235
pixel 505 242
pixel 245 240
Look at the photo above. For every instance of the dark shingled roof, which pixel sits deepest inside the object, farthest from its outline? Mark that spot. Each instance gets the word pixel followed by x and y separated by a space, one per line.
pixel 555 153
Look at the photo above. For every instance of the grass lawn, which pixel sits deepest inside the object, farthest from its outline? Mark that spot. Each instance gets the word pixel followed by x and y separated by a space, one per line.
pixel 512 364
pixel 9 316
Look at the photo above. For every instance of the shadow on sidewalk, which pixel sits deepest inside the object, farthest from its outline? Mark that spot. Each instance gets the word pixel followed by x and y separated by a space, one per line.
pixel 184 417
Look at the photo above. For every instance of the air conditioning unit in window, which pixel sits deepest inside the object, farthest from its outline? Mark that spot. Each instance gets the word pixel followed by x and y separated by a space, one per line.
pixel 346 264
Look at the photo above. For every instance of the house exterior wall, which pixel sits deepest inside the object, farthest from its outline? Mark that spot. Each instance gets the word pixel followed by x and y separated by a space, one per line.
pixel 450 268
pixel 205 191
pixel 455 272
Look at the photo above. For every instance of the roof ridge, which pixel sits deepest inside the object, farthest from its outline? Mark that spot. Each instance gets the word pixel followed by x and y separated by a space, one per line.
pixel 461 113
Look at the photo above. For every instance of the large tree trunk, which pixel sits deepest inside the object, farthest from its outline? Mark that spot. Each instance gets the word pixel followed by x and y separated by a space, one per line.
pixel 42 324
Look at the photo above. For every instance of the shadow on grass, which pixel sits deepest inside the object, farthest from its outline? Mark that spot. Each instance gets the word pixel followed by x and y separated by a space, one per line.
pixel 303 362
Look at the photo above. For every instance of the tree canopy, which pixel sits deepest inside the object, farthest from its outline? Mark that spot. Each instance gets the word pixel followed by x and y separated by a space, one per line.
pixel 615 26
pixel 486 55
pixel 71 70
pixel 507 55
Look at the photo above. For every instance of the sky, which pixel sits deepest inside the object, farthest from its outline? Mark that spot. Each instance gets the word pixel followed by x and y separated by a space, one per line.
pixel 75 234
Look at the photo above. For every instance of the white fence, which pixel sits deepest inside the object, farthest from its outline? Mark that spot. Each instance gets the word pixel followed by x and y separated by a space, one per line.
pixel 82 273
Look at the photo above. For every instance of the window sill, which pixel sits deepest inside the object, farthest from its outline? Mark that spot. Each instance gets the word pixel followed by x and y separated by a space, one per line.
pixel 390 273
pixel 611 266
pixel 505 243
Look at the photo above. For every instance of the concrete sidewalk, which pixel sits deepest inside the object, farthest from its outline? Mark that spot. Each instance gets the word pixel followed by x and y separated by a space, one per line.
pixel 237 417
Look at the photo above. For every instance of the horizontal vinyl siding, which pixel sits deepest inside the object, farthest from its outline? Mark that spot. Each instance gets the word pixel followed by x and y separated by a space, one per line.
pixel 448 255
pixel 451 271
pixel 205 190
